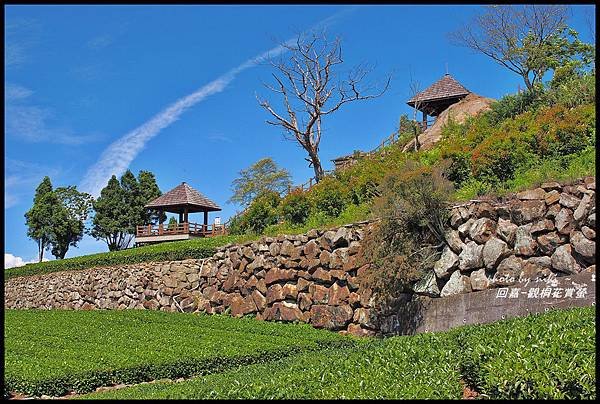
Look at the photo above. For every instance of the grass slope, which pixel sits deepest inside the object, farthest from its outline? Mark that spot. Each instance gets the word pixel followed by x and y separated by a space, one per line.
pixel 551 355
pixel 53 352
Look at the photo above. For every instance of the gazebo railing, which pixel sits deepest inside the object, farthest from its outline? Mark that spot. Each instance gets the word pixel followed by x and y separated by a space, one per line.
pixel 196 229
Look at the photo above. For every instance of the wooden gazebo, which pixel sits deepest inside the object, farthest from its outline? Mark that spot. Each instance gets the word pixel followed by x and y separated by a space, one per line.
pixel 183 200
pixel 437 97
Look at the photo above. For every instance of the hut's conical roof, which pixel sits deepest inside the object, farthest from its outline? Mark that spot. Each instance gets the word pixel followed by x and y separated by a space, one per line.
pixel 183 196
pixel 446 87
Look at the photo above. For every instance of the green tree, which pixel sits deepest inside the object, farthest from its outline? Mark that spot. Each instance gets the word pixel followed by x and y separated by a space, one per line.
pixel 133 201
pixel 261 177
pixel 529 40
pixel 72 209
pixel 38 218
pixel 148 191
pixel 111 220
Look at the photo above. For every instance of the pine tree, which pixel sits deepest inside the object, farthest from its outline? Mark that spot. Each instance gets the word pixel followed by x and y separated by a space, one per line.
pixel 39 217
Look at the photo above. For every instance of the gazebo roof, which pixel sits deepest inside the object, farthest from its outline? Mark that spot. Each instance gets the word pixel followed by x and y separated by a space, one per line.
pixel 444 88
pixel 181 197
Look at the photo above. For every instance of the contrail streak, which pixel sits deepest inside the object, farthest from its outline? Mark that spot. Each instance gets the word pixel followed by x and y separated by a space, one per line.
pixel 116 158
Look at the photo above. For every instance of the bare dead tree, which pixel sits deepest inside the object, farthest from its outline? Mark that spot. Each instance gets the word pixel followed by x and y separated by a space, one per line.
pixel 414 90
pixel 515 36
pixel 310 88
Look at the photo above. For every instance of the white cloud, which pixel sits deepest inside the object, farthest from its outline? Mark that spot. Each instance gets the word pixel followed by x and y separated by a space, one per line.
pixel 100 41
pixel 117 157
pixel 11 261
pixel 33 123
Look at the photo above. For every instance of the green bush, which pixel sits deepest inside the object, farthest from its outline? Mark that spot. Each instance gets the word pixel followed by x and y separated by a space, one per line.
pixel 295 207
pixel 261 213
pixel 329 196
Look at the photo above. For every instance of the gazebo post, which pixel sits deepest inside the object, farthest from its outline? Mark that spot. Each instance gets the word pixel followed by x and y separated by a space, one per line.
pixel 180 217
pixel 185 215
pixel 205 218
pixel 424 120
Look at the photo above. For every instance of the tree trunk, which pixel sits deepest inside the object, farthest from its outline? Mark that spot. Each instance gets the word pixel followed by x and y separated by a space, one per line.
pixel 316 162
pixel 417 144
pixel 528 82
pixel 40 249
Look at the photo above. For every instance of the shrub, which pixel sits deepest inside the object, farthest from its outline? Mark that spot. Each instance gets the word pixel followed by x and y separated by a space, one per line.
pixel 329 196
pixel 404 244
pixel 295 207
pixel 261 213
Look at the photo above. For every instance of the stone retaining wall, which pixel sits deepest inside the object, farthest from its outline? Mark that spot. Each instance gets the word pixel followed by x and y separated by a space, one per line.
pixel 313 277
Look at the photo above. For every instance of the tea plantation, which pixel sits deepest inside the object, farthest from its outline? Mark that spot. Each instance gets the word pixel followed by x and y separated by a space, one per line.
pixel 551 355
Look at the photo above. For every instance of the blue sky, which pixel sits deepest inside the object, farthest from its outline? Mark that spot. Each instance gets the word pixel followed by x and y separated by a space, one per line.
pixel 79 78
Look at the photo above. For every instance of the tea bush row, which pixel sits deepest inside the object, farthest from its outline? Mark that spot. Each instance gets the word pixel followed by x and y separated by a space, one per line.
pixel 54 352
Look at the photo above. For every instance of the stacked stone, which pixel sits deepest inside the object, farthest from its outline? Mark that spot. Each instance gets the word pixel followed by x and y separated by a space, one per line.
pixel 540 232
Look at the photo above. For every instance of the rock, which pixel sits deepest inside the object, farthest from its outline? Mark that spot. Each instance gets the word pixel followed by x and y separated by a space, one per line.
pixel 290 291
pixel 242 306
pixel 365 317
pixel 312 234
pixel 590 234
pixel 311 249
pixel 526 211
pixel 584 207
pixel 471 257
pixel 568 201
pixel 563 260
pixel 338 294
pixel 542 226
pixel 484 209
pixel 302 285
pixel 463 229
pixel 457 283
pixel 330 317
pixel 287 248
pixel 342 238
pixel 524 243
pixel 358 331
pixel 304 301
pixel 259 300
pixel 479 280
pixel 427 285
pixel 274 293
pixel 324 257
pixel 591 220
pixel 338 258
pixel 536 268
pixel 148 304
pixel 547 243
pixel 494 251
pixel 506 230
pixel 283 311
pixel 530 194
pixel 322 275
pixel 553 211
pixel 327 240
pixel 508 271
pixel 454 241
pixel 552 197
pixel 274 249
pixel 248 253
pixel 564 221
pixel 318 294
pixel 550 185
pixel 459 216
pixel 482 229
pixel 277 275
pixel 584 247
pixel 447 263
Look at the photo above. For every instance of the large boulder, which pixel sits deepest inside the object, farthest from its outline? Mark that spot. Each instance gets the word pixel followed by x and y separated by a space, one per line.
pixel 458 283
pixel 506 230
pixel 508 272
pixel 584 247
pixel 563 260
pixel 494 251
pixel 330 317
pixel 479 280
pixel 427 285
pixel 482 229
pixel 564 221
pixel 471 257
pixel 447 263
pixel 525 244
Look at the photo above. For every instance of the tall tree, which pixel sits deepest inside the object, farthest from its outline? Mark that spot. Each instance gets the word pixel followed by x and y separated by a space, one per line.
pixel 311 89
pixel 148 191
pixel 529 40
pixel 38 218
pixel 262 176
pixel 133 201
pixel 111 220
pixel 72 209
